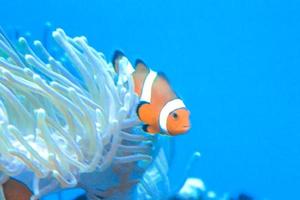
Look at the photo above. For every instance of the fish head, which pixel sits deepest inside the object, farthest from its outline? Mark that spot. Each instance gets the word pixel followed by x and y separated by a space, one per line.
pixel 178 122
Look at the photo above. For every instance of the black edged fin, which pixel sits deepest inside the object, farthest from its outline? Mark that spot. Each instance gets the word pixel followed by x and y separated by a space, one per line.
pixel 140 65
pixel 145 127
pixel 139 106
pixel 139 61
pixel 163 76
pixel 116 56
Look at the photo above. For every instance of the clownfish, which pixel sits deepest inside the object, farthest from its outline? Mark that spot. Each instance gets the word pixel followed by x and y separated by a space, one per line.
pixel 15 190
pixel 159 109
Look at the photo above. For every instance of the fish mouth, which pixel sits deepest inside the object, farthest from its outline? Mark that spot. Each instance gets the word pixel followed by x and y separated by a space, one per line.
pixel 181 130
pixel 186 127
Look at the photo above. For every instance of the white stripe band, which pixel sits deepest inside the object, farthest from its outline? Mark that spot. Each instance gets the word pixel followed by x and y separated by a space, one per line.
pixel 166 110
pixel 147 87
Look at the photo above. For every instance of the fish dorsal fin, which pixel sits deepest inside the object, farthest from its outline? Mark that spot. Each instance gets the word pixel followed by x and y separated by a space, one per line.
pixel 115 59
pixel 162 90
pixel 141 67
pixel 142 71
pixel 139 75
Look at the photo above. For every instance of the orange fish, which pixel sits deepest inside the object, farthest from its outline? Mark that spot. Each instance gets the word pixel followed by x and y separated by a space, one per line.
pixel 160 109
pixel 15 190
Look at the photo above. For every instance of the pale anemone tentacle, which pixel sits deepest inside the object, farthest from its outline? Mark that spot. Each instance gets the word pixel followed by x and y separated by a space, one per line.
pixel 65 73
pixel 134 138
pixel 48 71
pixel 3 179
pixel 7 48
pixel 155 181
pixel 60 37
pixel 70 124
pixel 41 50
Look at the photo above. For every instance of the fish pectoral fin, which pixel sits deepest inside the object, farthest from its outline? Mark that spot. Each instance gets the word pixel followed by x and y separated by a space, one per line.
pixel 145 112
pixel 151 129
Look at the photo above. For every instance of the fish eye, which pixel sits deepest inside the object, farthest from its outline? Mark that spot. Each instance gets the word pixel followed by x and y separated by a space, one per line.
pixel 175 115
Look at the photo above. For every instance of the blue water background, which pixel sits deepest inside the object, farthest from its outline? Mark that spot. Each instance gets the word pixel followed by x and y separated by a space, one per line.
pixel 236 64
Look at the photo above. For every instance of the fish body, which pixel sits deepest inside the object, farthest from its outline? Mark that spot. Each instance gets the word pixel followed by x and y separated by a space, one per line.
pixel 159 109
pixel 15 190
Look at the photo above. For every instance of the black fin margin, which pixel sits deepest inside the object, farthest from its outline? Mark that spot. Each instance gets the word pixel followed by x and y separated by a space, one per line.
pixel 145 127
pixel 139 106
pixel 117 54
pixel 139 61
pixel 164 76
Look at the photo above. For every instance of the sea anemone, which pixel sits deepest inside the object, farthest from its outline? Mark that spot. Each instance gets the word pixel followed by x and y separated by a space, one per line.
pixel 62 123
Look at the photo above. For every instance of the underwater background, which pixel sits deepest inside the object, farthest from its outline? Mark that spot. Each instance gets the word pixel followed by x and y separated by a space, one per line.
pixel 236 64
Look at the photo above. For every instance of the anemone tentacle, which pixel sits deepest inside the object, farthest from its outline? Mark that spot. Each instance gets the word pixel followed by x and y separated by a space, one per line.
pixel 60 123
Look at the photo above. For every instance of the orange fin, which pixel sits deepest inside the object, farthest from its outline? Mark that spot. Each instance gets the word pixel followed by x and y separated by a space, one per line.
pixel 145 113
pixel 15 190
pixel 141 67
pixel 161 84
pixel 164 89
pixel 151 129
pixel 139 75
